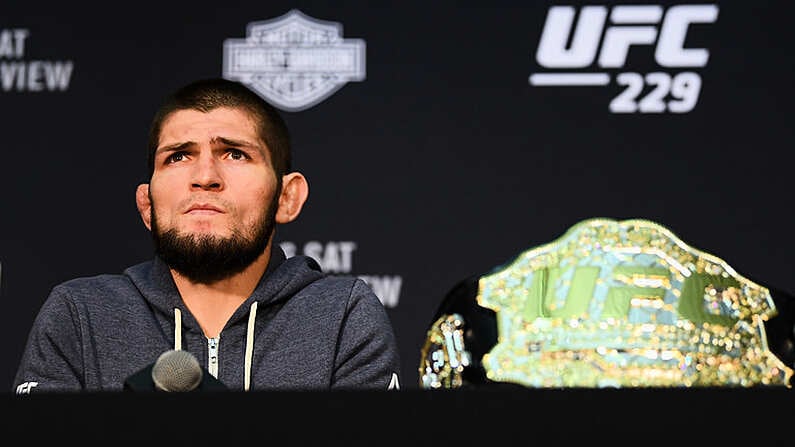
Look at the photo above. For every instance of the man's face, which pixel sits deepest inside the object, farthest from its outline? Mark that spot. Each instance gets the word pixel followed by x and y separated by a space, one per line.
pixel 213 193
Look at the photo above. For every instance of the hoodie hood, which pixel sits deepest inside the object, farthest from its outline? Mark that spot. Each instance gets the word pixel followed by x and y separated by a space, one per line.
pixel 282 279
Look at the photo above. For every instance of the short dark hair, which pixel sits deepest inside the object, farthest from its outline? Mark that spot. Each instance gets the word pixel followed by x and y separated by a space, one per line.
pixel 205 95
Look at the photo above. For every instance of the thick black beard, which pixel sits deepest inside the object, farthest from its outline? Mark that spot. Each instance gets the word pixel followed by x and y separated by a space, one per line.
pixel 209 259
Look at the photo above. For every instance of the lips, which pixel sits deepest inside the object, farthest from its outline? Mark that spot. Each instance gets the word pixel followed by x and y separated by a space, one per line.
pixel 203 208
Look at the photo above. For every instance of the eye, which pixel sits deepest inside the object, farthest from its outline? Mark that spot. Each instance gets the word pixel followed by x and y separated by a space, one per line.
pixel 237 154
pixel 175 157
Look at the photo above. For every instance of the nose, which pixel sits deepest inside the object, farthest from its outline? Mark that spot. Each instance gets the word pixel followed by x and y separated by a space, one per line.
pixel 206 174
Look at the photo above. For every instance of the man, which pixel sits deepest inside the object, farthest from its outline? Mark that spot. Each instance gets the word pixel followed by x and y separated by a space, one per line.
pixel 220 179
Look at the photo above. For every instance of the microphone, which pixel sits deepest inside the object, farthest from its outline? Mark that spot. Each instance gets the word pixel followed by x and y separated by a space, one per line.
pixel 174 371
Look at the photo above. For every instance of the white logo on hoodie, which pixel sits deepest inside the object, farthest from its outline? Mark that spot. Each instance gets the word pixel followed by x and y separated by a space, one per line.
pixel 26 387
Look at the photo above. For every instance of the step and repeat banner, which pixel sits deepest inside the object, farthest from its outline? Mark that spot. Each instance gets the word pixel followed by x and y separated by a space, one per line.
pixel 439 139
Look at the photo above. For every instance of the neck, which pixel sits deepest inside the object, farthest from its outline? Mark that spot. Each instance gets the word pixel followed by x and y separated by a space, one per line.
pixel 213 304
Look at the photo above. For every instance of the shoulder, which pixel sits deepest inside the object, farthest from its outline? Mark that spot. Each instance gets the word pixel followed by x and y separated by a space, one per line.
pixel 91 284
pixel 105 288
pixel 343 286
pixel 358 297
pixel 334 293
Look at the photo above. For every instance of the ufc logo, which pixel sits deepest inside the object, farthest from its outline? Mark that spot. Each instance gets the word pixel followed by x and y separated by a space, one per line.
pixel 630 25
pixel 26 387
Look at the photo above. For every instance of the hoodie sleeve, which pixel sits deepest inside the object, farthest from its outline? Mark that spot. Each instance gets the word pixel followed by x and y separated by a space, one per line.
pixel 52 359
pixel 367 354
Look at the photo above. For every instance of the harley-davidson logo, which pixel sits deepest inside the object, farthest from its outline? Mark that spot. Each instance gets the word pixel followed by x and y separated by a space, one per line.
pixel 294 61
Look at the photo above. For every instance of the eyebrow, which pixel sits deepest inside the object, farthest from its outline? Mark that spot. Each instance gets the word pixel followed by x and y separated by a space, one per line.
pixel 235 143
pixel 173 147
pixel 223 140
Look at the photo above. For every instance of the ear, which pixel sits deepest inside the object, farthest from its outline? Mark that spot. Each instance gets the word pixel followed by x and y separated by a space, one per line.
pixel 295 190
pixel 144 204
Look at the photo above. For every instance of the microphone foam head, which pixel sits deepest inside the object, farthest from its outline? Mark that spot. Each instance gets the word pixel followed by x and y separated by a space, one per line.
pixel 176 371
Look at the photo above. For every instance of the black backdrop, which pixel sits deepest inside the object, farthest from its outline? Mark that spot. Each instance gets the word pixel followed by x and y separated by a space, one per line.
pixel 443 162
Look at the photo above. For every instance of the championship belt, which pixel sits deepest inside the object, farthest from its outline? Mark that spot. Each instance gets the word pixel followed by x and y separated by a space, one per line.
pixel 608 304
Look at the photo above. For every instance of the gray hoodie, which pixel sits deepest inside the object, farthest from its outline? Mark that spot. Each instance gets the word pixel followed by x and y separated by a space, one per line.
pixel 300 329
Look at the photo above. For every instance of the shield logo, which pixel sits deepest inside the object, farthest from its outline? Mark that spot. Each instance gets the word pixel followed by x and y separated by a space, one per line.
pixel 294 61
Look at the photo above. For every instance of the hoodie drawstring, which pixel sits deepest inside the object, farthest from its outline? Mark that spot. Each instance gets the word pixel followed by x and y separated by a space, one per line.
pixel 252 318
pixel 252 315
pixel 177 329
